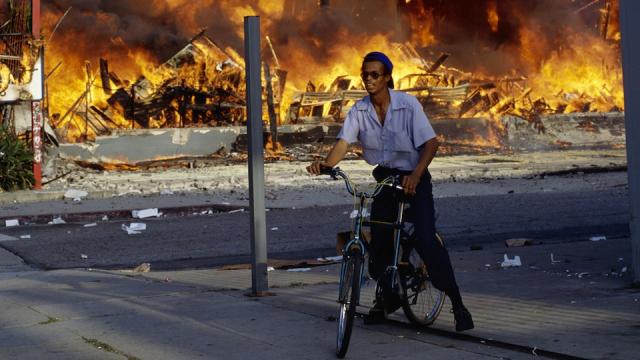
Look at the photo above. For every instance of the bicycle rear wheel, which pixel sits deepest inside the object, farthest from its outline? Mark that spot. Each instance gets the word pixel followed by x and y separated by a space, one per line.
pixel 422 302
pixel 348 299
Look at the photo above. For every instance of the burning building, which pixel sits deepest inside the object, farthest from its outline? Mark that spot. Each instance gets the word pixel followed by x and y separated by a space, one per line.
pixel 175 63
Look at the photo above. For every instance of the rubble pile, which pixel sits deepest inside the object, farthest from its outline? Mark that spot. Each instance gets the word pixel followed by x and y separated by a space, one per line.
pixel 450 93
pixel 200 86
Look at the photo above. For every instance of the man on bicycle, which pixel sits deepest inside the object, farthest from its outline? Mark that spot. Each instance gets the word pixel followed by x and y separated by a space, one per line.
pixel 397 137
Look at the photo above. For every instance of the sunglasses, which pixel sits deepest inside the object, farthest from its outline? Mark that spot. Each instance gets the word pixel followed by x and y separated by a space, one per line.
pixel 373 74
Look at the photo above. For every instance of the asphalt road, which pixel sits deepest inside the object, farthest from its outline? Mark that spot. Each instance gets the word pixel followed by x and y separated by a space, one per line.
pixel 223 238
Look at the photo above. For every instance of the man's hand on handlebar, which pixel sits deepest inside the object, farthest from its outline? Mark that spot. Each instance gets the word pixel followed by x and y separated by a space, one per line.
pixel 317 167
pixel 410 183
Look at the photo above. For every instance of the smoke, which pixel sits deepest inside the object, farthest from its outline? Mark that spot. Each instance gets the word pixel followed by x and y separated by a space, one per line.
pixel 161 27
pixel 528 33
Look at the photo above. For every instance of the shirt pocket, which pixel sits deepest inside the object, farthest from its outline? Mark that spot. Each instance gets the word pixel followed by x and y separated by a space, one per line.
pixel 401 141
pixel 370 140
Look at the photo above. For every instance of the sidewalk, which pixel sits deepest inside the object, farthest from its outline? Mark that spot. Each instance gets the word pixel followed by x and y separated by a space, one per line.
pixel 577 307
pixel 288 184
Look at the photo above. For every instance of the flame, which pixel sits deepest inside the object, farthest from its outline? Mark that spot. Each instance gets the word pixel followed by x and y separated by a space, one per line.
pixel 492 15
pixel 570 71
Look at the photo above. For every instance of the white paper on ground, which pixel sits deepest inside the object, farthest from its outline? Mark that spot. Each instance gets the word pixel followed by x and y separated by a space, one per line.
pixel 90 225
pixel 25 236
pixel 74 194
pixel 511 262
pixel 57 221
pixel 145 213
pixel 331 258
pixel 598 238
pixel 12 222
pixel 299 270
pixel 134 228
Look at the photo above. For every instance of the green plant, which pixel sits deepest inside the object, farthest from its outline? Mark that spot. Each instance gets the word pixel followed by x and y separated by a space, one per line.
pixel 16 162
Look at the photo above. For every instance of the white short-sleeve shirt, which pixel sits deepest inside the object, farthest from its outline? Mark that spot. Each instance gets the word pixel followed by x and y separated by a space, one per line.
pixel 397 144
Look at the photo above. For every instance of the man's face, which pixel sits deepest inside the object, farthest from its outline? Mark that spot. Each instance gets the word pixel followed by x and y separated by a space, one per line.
pixel 374 78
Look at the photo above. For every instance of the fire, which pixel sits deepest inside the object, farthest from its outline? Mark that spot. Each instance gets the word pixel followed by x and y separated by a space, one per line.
pixel 492 15
pixel 573 68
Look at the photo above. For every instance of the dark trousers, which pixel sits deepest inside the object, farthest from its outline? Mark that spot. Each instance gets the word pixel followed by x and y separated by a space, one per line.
pixel 422 214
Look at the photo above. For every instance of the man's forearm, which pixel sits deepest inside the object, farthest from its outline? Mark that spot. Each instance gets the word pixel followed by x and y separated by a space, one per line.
pixel 427 154
pixel 337 153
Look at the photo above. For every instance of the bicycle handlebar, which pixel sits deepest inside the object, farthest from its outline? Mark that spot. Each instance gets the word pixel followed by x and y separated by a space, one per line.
pixel 336 173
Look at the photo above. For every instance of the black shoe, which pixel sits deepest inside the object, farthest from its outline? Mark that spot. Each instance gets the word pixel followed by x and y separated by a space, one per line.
pixel 463 319
pixel 376 315
pixel 392 302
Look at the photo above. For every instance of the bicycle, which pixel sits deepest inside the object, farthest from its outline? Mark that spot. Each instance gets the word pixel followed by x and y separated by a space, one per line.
pixel 407 274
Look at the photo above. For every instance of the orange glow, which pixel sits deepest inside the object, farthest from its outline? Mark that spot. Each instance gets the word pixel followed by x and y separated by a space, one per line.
pixel 492 15
pixel 584 71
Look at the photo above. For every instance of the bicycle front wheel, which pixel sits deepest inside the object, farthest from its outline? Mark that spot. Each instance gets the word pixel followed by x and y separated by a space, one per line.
pixel 348 299
pixel 422 302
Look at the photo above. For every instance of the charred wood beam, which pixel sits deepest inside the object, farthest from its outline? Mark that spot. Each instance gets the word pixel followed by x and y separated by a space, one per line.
pixel 116 80
pixel 104 76
pixel 70 110
pixel 273 120
pixel 103 116
pixel 53 70
pixel 474 99
pixel 443 57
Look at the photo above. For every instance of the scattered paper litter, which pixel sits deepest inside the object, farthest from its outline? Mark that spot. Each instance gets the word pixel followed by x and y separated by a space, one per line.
pixel 145 213
pixel 90 225
pixel 624 270
pixel 598 238
pixel 84 256
pixel 12 222
pixel 275 228
pixel 270 268
pixel 57 221
pixel 25 236
pixel 330 258
pixel 105 218
pixel 134 228
pixel 142 268
pixel 299 270
pixel 515 262
pixel 74 194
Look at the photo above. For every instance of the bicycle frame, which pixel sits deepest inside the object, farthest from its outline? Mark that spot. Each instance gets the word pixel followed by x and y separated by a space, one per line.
pixel 359 223
pixel 354 241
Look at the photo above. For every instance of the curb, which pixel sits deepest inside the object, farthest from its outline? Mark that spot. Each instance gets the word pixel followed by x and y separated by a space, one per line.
pixel 30 196
pixel 121 214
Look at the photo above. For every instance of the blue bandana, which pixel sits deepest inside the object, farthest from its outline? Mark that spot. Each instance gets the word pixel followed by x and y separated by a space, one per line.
pixel 378 56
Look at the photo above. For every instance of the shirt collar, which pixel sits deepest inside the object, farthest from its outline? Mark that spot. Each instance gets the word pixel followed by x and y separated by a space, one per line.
pixel 396 101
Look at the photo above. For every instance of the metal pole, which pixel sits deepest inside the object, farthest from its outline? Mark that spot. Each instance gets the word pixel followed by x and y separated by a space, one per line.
pixel 259 283
pixel 630 31
pixel 36 105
